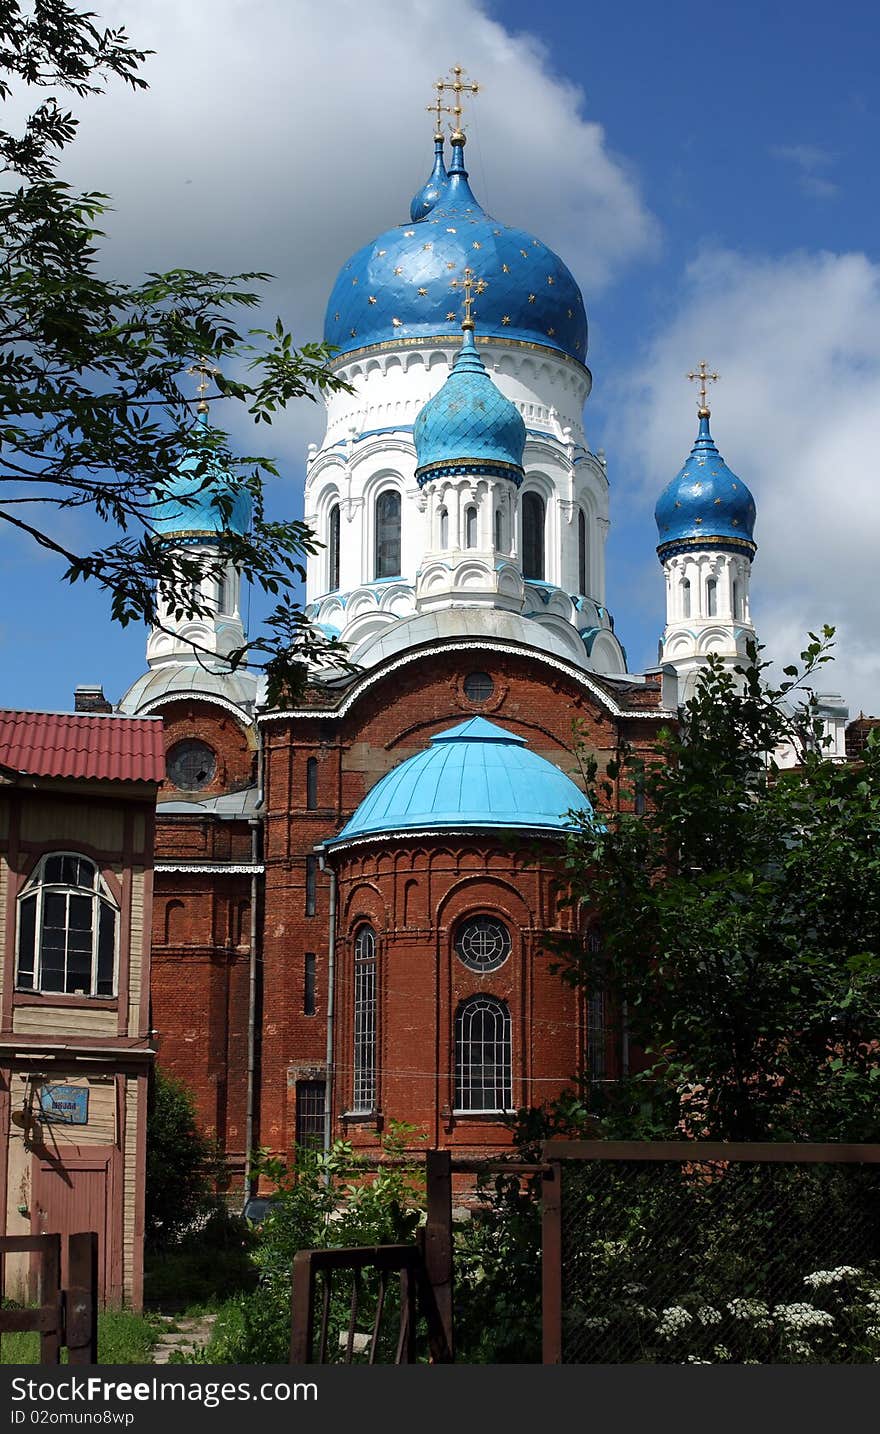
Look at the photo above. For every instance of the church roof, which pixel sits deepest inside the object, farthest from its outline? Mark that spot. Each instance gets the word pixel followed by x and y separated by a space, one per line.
pixel 469 422
pixel 705 504
pixel 474 775
pixel 199 500
pixel 398 286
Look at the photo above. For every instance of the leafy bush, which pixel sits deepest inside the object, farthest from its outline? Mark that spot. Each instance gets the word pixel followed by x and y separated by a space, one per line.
pixel 183 1165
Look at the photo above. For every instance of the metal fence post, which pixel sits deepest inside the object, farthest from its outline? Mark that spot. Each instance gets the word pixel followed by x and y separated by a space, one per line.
pixel 302 1308
pixel 551 1264
pixel 50 1295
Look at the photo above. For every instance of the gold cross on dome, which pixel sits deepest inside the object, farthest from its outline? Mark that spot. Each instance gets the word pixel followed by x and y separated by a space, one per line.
pixel 704 377
pixel 471 286
pixel 438 109
pixel 458 85
pixel 206 372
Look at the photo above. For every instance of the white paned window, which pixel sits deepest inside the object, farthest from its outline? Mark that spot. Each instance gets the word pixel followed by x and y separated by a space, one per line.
pixel 67 929
pixel 364 1095
pixel 483 1080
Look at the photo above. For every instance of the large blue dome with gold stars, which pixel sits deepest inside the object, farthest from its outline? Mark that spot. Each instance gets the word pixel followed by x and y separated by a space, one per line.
pixel 399 287
pixel 705 504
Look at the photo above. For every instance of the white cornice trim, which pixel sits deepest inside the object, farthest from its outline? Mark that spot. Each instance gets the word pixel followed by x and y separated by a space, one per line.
pixel 331 845
pixel 468 645
pixel 211 697
pixel 215 868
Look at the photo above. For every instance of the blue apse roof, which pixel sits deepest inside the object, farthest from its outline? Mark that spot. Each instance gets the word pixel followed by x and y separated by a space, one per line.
pixel 705 503
pixel 200 513
pixel 469 420
pixel 398 287
pixel 474 775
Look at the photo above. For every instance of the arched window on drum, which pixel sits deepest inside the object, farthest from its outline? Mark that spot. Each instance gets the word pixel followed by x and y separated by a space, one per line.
pixel 387 559
pixel 533 516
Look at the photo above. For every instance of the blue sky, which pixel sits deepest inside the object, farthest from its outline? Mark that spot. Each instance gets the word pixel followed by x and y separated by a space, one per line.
pixel 708 174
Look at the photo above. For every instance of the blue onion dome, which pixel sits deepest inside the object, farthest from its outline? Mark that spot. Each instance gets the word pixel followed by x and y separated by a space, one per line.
pixel 705 505
pixel 469 425
pixel 475 775
pixel 397 289
pixel 200 515
pixel 431 190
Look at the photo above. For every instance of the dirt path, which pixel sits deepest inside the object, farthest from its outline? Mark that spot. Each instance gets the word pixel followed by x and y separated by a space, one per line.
pixel 181 1332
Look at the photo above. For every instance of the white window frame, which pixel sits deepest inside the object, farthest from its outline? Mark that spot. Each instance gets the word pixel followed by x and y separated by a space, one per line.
pixel 470 1073
pixel 102 898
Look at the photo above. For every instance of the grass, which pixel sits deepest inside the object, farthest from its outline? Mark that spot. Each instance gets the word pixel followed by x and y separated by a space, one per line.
pixel 123 1338
pixel 196 1281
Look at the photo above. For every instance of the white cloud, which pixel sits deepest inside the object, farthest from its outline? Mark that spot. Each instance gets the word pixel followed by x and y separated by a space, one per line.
pixel 797 414
pixel 811 165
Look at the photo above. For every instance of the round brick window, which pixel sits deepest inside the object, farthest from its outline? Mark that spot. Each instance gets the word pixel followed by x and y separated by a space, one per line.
pixel 483 943
pixel 478 687
pixel 191 765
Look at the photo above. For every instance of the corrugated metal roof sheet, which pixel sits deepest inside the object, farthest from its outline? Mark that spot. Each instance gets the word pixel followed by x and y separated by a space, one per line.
pixel 77 744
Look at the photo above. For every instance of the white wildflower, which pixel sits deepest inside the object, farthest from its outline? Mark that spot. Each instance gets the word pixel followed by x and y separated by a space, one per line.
pixel 673 1320
pixel 754 1310
pixel 802 1317
pixel 831 1277
pixel 707 1315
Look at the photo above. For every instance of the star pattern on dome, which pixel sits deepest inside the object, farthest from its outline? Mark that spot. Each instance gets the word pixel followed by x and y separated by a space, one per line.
pixel 533 298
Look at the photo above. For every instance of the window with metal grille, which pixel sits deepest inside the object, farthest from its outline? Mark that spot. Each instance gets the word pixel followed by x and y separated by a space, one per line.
pixel 333 549
pixel 310 1113
pixel 309 970
pixel 533 535
pixel 67 929
pixel 311 884
pixel 482 943
pixel 312 783
pixel 582 552
pixel 470 527
pixel 364 1093
pixel 191 765
pixel 478 687
pixel 483 1080
pixel 711 598
pixel 388 534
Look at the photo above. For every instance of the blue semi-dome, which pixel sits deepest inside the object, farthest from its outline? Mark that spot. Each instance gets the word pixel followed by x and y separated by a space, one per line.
pixel 469 424
pixel 476 775
pixel 399 286
pixel 199 501
pixel 705 504
pixel 431 190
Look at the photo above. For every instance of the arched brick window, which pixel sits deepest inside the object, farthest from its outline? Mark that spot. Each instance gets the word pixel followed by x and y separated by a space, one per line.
pixel 483 1075
pixel 364 1092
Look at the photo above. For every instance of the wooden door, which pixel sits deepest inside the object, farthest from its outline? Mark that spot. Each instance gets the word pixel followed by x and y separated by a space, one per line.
pixel 76 1194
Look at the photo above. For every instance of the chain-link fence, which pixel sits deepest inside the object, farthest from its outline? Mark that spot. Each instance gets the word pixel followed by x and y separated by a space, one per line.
pixel 706 1260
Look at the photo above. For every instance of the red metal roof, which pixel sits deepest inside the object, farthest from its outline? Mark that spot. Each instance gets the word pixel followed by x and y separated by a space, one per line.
pixel 68 744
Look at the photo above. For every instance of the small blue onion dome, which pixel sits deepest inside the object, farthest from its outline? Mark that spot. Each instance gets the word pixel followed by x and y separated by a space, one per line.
pixel 431 190
pixel 705 505
pixel 200 485
pixel 476 775
pixel 469 424
pixel 396 289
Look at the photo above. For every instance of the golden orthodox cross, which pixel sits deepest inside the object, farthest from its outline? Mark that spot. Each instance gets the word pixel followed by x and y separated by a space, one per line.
pixel 438 109
pixel 205 371
pixel 459 86
pixel 471 286
pixel 704 377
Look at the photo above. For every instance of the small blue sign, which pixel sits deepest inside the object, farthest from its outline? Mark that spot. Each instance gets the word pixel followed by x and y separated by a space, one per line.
pixel 65 1104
